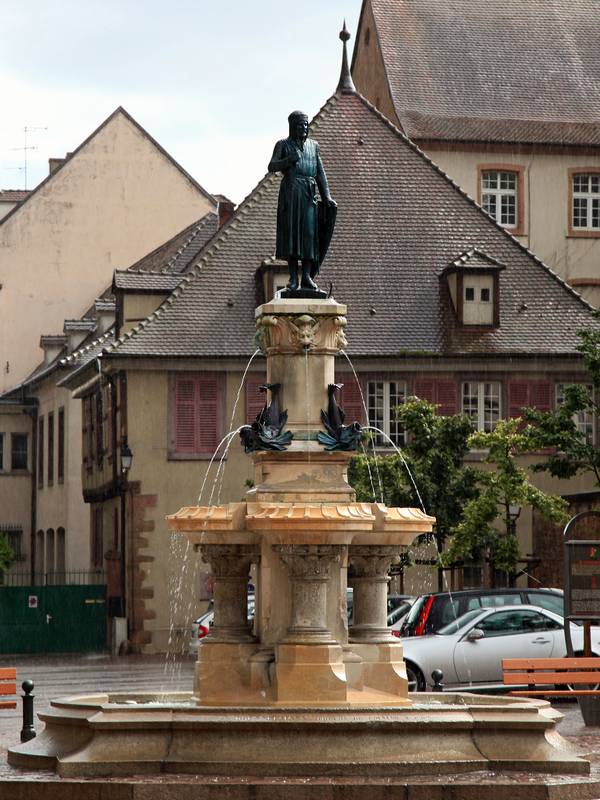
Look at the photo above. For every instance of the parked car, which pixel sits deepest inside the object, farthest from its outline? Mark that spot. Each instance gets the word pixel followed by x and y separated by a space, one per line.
pixel 470 649
pixel 430 612
pixel 398 605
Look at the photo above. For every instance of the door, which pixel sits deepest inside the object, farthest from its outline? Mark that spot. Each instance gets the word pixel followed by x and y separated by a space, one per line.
pixel 518 633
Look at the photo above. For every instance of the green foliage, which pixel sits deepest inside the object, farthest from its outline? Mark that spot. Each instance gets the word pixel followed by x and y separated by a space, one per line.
pixel 7 556
pixel 434 455
pixel 505 485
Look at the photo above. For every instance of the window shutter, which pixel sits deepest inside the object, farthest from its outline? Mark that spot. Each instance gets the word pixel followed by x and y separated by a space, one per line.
pixel 541 395
pixel 255 400
pixel 446 397
pixel 185 414
pixel 208 417
pixel 350 399
pixel 518 397
pixel 441 392
pixel 425 389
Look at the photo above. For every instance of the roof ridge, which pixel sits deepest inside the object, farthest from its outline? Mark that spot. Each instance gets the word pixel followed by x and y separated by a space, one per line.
pixel 201 223
pixel 76 354
pixel 468 197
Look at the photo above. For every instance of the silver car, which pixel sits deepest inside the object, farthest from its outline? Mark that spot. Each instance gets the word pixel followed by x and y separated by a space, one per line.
pixel 469 651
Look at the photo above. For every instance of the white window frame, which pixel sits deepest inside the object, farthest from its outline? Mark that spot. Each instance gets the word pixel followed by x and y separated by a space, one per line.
pixel 591 197
pixel 387 424
pixel 484 417
pixel 585 422
pixel 500 194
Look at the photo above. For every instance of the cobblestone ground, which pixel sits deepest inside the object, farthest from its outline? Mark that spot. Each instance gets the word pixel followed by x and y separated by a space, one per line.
pixel 58 676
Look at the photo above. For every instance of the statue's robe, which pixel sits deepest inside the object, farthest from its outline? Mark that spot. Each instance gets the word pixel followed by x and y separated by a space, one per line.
pixel 297 209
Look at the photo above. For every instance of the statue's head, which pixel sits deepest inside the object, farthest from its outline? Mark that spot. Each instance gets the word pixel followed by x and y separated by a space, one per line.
pixel 298 122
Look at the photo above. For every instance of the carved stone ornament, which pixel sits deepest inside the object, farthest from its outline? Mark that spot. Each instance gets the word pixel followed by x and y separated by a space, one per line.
pixel 288 333
pixel 309 561
pixel 229 560
pixel 372 561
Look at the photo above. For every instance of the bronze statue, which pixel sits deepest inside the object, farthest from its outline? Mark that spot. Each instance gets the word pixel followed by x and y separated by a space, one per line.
pixel 304 224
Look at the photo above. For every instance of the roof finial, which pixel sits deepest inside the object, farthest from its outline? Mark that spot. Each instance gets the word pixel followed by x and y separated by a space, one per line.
pixel 345 84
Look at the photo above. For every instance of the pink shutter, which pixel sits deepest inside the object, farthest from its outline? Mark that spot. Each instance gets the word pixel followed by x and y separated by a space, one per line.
pixel 255 400
pixel 208 417
pixel 446 397
pixel 185 414
pixel 518 397
pixel 350 399
pixel 540 395
pixel 425 389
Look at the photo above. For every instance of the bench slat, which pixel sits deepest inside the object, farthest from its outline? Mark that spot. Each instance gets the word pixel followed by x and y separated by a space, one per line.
pixel 8 704
pixel 551 663
pixel 551 677
pixel 8 688
pixel 8 673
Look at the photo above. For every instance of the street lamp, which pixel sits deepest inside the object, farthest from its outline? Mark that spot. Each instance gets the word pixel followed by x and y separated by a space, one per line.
pixel 126 458
pixel 513 516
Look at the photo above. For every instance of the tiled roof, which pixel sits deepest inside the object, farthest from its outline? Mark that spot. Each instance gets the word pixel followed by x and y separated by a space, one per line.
pixel 400 222
pixel 13 195
pixel 174 255
pixel 145 281
pixel 500 70
pixel 472 259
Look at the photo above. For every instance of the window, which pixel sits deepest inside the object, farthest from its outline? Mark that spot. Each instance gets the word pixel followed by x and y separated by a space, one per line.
pixel 382 399
pixel 481 402
pixel 586 201
pixel 96 545
pixel 14 537
pixel 99 428
pixel 196 420
pixel 18 451
pixel 61 445
pixel 584 420
pixel 50 448
pixel 40 454
pixel 499 196
pixel 507 623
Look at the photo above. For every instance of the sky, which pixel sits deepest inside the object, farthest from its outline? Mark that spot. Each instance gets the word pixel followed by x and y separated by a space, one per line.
pixel 212 82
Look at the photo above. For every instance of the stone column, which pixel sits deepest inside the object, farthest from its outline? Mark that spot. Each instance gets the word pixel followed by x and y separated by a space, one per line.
pixel 230 567
pixel 382 666
pixel 310 568
pixel 369 567
pixel 309 664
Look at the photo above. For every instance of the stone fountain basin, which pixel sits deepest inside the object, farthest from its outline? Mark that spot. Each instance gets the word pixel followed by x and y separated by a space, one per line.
pixel 150 733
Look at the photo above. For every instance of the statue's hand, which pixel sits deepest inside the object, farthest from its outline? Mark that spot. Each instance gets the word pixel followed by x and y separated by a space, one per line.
pixel 331 202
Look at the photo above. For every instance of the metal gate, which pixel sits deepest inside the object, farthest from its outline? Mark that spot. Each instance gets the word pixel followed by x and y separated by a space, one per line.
pixel 52 619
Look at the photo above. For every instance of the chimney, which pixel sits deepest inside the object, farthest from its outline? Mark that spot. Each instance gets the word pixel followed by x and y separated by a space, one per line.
pixel 226 209
pixel 105 314
pixel 76 330
pixel 52 347
pixel 54 164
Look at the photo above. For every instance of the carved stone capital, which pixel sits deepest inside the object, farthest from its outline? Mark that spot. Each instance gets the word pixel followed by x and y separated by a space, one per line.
pixel 229 560
pixel 372 561
pixel 297 333
pixel 309 561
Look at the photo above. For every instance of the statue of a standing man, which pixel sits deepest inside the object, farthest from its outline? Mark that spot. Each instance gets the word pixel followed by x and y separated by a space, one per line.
pixel 304 225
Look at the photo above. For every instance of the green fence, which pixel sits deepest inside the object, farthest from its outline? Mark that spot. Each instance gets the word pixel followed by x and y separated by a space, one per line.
pixel 52 619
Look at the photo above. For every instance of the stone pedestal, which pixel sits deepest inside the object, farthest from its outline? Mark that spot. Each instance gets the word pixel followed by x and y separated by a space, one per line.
pixel 369 568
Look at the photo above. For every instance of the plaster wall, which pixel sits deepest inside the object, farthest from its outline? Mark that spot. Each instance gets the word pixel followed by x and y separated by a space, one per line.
pixel 15 486
pixel 5 207
pixel 115 200
pixel 61 504
pixel 136 307
pixel 546 208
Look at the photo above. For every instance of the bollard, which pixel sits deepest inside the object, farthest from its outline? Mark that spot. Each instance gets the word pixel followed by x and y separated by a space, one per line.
pixel 28 731
pixel 437 676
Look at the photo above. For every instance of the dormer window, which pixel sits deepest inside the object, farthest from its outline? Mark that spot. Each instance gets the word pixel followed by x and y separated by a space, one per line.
pixel 473 283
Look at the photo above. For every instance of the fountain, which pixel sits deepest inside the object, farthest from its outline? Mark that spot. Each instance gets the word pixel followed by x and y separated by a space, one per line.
pixel 299 696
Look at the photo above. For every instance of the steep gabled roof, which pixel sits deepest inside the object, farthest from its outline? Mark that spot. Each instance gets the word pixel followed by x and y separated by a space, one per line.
pixel 492 70
pixel 401 220
pixel 118 111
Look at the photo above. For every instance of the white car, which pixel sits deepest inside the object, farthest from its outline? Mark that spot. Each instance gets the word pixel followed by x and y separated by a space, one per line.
pixel 202 625
pixel 469 651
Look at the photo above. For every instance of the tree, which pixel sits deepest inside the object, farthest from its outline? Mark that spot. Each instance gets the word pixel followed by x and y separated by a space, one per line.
pixel 478 537
pixel 434 454
pixel 557 429
pixel 7 555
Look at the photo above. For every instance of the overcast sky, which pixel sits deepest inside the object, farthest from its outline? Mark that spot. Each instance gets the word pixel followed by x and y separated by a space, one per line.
pixel 213 82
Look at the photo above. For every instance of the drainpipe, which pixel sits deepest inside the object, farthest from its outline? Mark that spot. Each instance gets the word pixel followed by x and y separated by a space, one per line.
pixel 32 411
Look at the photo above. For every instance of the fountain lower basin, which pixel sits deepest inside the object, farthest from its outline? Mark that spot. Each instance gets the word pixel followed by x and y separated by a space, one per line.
pixel 131 734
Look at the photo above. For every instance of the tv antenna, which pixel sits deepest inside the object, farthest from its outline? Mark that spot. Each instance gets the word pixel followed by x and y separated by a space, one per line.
pixel 26 148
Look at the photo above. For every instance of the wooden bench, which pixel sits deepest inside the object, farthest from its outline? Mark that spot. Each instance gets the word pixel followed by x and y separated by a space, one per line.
pixel 551 672
pixel 8 686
